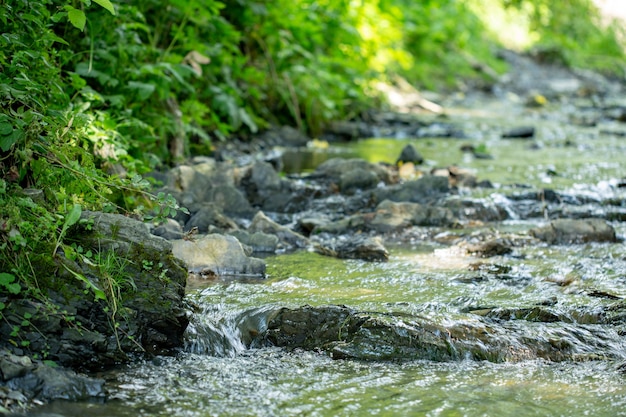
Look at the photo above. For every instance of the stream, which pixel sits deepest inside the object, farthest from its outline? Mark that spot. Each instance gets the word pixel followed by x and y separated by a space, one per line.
pixel 218 375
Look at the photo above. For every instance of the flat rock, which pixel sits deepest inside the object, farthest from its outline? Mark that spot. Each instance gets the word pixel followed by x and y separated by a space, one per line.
pixel 567 231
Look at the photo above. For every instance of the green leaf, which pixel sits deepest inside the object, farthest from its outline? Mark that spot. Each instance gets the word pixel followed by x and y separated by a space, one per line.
pixel 107 5
pixel 5 128
pixel 9 140
pixel 73 216
pixel 6 278
pixel 77 17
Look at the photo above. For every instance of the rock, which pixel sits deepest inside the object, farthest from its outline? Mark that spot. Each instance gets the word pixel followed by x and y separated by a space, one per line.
pixel 347 130
pixel 489 248
pixel 259 242
pixel 392 216
pixel 217 255
pixel 60 384
pixel 346 333
pixel 410 154
pixel 356 247
pixel 230 200
pixel 523 132
pixel 285 136
pixel 119 233
pixel 566 231
pixel 289 238
pixel 13 366
pixel 357 179
pixel 207 219
pixel 428 188
pixel 334 168
pixel 261 183
pixel 147 303
pixel 169 230
pixel 478 209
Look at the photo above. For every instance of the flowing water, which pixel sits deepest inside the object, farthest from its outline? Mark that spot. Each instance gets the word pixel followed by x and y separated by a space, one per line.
pixel 217 375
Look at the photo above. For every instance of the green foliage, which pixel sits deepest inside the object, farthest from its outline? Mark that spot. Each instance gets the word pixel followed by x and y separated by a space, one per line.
pixel 572 33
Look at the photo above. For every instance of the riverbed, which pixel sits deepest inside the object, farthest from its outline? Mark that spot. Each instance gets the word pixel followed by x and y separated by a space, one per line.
pixel 217 374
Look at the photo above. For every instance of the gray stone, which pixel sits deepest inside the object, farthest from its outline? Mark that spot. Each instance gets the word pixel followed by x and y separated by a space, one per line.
pixel 169 230
pixel 217 255
pixel 428 188
pixel 259 242
pixel 346 333
pixel 209 217
pixel 566 231
pixel 356 247
pixel 357 179
pixel 262 223
pixel 390 216
pixel 334 168
pixel 410 154
pixel 120 233
pixel 230 200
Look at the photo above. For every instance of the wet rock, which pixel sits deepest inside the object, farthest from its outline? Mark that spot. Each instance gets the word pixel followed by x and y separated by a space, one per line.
pixel 23 381
pixel 477 209
pixel 428 188
pixel 566 231
pixel 208 219
pixel 289 238
pixel 169 230
pixel 346 333
pixel 357 179
pixel 334 168
pixel 59 384
pixel 523 132
pixel 410 154
pixel 390 216
pixel 217 255
pixel 489 248
pixel 259 242
pixel 356 247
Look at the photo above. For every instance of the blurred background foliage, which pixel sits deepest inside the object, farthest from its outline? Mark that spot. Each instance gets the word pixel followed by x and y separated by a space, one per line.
pixel 94 93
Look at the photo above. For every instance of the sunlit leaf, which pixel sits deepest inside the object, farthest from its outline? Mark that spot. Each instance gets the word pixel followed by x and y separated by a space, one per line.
pixel 76 17
pixel 107 5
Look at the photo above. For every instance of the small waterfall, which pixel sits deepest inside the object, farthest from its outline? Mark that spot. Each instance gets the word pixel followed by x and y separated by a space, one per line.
pixel 217 331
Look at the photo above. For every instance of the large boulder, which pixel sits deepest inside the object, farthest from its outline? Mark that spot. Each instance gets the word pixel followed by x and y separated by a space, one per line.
pixel 346 333
pixel 217 255
pixel 566 231
pixel 117 290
